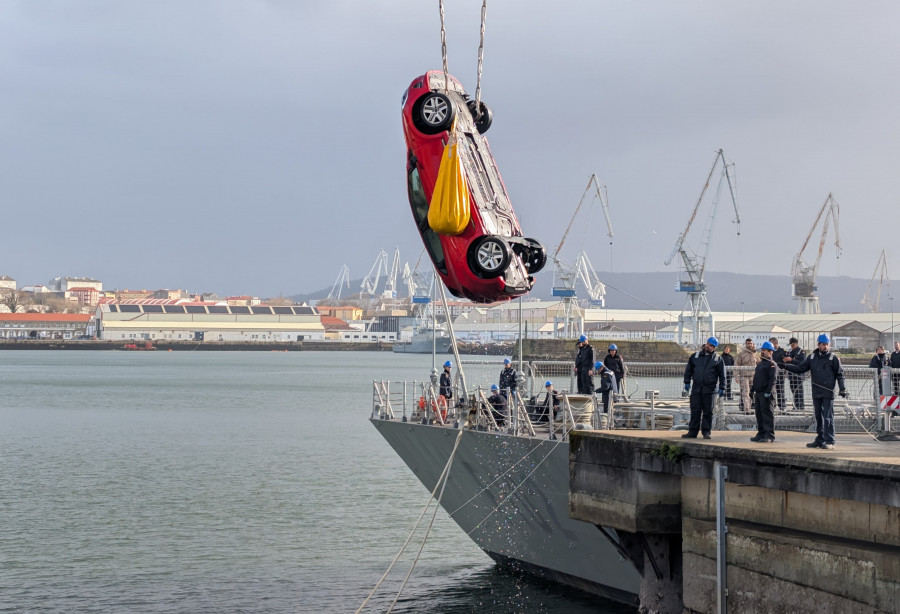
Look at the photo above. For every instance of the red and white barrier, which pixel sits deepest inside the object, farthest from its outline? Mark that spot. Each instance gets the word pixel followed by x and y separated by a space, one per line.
pixel 890 402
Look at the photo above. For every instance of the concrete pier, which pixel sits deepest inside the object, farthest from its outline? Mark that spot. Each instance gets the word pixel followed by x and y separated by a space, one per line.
pixel 808 530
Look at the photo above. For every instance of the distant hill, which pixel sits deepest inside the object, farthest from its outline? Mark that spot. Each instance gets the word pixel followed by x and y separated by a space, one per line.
pixel 726 292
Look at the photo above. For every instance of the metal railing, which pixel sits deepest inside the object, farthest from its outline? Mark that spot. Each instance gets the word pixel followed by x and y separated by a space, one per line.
pixel 651 398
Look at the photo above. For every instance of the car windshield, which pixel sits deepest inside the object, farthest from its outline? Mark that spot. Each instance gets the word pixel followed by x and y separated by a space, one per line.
pixel 419 204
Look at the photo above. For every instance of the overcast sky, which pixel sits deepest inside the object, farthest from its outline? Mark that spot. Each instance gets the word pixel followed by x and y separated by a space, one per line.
pixel 256 146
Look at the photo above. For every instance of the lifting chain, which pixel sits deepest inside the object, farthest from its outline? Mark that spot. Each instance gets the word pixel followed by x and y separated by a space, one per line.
pixel 480 59
pixel 444 47
pixel 480 53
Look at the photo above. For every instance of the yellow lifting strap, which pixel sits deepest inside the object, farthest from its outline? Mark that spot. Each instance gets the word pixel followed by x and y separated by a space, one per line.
pixel 449 212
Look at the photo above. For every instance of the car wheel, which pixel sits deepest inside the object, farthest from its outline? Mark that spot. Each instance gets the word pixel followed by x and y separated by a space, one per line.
pixel 433 113
pixel 483 122
pixel 537 256
pixel 489 257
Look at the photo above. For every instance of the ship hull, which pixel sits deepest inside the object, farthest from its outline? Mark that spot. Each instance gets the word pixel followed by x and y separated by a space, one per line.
pixel 423 344
pixel 511 495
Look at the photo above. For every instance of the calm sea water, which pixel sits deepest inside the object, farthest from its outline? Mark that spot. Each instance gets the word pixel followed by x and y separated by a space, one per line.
pixel 223 482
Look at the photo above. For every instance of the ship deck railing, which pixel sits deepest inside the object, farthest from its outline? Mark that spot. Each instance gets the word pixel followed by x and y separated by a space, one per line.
pixel 651 399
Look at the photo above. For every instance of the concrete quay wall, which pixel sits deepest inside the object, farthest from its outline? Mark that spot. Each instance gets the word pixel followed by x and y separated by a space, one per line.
pixel 808 530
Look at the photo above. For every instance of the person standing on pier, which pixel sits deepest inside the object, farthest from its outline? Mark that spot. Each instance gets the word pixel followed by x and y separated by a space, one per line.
pixel 765 380
pixel 614 363
pixel 728 359
pixel 747 357
pixel 707 372
pixel 824 370
pixel 879 361
pixel 795 355
pixel 895 368
pixel 508 383
pixel 446 384
pixel 778 354
pixel 584 366
pixel 607 384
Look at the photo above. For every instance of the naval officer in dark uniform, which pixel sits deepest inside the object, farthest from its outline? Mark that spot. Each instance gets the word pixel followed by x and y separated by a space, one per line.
pixel 765 380
pixel 706 371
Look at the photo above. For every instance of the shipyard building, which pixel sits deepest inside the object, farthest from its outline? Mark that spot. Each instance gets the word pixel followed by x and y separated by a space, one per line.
pixel 174 321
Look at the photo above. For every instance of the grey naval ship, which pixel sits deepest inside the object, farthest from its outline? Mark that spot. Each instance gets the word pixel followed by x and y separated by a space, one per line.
pixel 509 492
pixel 424 342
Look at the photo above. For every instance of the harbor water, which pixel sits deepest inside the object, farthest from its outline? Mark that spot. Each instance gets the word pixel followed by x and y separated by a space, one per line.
pixel 224 482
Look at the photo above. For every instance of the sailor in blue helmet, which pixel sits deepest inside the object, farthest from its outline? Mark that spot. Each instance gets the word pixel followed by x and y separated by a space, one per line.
pixel 498 405
pixel 614 363
pixel 825 371
pixel 796 356
pixel 607 384
pixel 508 382
pixel 703 375
pixel 584 366
pixel 446 385
pixel 765 379
pixel 549 403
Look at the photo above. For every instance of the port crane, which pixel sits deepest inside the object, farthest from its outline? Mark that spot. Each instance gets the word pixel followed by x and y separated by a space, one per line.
pixel 588 276
pixel 804 275
pixel 696 309
pixel 370 282
pixel 566 276
pixel 343 279
pixel 390 284
pixel 419 285
pixel 871 301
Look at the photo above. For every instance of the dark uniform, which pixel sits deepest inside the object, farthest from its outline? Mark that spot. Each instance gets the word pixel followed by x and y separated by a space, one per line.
pixel 728 359
pixel 617 366
pixel 778 358
pixel 543 407
pixel 498 408
pixel 508 381
pixel 824 370
pixel 584 364
pixel 795 381
pixel 707 371
pixel 765 379
pixel 879 361
pixel 895 372
pixel 607 387
pixel 446 388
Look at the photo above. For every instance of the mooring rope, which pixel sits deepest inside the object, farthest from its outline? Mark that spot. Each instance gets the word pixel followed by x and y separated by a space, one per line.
pixel 430 524
pixel 441 482
pixel 511 467
pixel 514 490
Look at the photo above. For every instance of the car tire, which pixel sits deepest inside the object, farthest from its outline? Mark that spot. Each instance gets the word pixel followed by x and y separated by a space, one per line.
pixel 537 257
pixel 433 113
pixel 489 257
pixel 483 123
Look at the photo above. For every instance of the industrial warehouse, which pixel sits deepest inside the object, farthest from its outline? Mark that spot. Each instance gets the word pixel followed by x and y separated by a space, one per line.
pixel 206 322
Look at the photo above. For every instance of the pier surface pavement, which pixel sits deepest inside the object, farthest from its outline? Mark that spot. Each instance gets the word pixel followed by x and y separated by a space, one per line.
pixel 851 447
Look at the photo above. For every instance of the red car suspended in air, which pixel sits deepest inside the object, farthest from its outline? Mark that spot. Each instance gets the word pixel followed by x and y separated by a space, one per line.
pixel 490 260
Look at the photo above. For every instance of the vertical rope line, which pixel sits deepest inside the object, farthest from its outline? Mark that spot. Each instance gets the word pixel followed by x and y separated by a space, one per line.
pixel 480 59
pixel 444 47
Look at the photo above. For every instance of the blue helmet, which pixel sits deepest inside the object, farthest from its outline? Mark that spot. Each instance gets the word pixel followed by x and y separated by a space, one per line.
pixel 823 338
pixel 767 346
pixel 506 361
pixel 448 364
pixel 494 387
pixel 613 346
pixel 582 339
pixel 548 383
pixel 713 342
pixel 597 365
